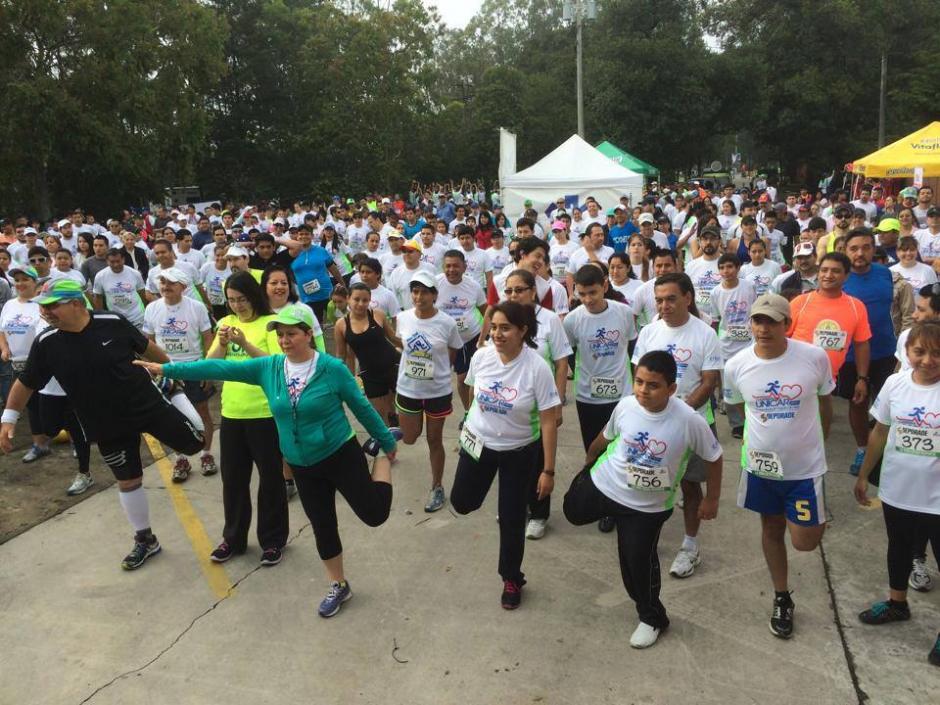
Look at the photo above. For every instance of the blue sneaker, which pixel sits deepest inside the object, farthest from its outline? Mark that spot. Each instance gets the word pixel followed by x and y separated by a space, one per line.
pixel 338 594
pixel 372 447
pixel 856 465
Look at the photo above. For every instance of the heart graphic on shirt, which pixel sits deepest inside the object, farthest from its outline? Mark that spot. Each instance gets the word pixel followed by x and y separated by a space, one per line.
pixel 507 394
pixel 791 391
pixel 932 420
pixel 681 354
pixel 657 448
pixel 608 336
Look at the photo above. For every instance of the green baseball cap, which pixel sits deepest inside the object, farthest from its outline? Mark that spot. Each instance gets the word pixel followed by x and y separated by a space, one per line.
pixel 61 290
pixel 28 271
pixel 292 315
pixel 888 224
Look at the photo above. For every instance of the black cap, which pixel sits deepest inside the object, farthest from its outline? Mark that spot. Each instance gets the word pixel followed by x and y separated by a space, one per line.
pixel 933 211
pixel 842 209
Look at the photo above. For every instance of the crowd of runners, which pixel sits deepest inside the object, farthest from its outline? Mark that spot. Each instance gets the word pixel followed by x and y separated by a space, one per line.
pixel 655 318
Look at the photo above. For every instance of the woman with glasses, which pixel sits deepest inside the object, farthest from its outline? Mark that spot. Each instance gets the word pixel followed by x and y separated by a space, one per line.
pixel 248 434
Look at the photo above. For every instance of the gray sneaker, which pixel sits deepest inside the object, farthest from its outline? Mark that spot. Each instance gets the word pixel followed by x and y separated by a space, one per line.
pixel 81 483
pixel 35 453
pixel 436 500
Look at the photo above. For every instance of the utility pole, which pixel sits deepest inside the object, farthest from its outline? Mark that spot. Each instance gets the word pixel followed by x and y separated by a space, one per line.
pixel 577 11
pixel 881 99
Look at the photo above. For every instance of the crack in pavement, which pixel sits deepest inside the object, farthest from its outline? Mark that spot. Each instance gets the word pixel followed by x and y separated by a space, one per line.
pixel 192 624
pixel 847 652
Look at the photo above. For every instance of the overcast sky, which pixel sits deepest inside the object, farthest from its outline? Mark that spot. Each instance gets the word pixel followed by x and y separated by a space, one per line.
pixel 456 13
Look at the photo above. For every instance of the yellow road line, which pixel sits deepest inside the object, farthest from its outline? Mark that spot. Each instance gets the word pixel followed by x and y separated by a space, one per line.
pixel 215 574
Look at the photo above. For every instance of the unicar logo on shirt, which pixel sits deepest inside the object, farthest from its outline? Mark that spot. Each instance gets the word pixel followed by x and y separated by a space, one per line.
pixel 644 450
pixel 919 418
pixel 497 398
pixel 737 312
pixel 455 304
pixel 779 401
pixel 681 356
pixel 173 326
pixel 604 343
pixel 708 281
pixel 122 288
pixel 19 324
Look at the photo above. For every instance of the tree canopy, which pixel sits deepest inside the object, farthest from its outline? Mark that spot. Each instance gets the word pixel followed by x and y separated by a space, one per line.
pixel 108 102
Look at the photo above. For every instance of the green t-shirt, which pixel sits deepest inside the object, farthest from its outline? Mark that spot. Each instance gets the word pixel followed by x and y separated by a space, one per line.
pixel 239 400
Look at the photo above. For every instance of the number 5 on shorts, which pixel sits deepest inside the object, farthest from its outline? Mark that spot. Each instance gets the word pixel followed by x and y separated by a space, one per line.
pixel 803 512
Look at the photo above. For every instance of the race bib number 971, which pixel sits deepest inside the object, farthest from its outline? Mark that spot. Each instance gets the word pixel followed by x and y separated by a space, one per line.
pixel 417 368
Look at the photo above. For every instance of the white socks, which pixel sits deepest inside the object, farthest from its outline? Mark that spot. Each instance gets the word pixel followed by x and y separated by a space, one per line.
pixel 136 507
pixel 182 402
pixel 690 543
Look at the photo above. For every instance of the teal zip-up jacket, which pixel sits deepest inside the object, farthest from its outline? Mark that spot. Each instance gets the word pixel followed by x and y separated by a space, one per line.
pixel 319 427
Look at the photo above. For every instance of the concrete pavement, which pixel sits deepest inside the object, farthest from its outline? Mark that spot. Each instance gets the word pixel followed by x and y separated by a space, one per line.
pixel 425 625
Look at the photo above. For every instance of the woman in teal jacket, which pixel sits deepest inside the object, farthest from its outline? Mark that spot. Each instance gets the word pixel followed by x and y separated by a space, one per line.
pixel 306 390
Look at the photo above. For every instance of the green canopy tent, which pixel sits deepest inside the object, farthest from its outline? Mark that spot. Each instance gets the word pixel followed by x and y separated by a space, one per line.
pixel 613 152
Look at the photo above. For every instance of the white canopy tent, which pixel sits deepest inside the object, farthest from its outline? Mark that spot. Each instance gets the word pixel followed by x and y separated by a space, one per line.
pixel 574 170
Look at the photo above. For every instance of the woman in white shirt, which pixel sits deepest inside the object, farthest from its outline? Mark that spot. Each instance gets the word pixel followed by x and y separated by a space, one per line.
pixel 907 435
pixel 512 386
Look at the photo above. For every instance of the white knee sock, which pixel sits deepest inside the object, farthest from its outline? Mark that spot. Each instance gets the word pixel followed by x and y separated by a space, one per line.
pixel 136 507
pixel 182 402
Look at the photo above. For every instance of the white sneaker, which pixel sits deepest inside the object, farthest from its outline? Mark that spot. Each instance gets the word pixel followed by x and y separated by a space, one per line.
pixel 535 529
pixel 684 564
pixel 81 483
pixel 644 636
pixel 920 578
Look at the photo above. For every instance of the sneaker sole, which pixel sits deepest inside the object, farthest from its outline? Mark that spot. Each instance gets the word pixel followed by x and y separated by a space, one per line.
pixel 207 473
pixel 152 552
pixel 689 574
pixel 269 563
pixel 180 479
pixel 338 607
pixel 75 493
pixel 535 537
pixel 216 559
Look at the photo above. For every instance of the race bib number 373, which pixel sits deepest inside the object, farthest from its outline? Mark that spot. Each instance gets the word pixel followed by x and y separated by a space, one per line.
pixel 915 440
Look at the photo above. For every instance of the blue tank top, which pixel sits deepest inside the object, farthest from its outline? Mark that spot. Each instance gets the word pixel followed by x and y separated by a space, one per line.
pixel 875 288
pixel 743 253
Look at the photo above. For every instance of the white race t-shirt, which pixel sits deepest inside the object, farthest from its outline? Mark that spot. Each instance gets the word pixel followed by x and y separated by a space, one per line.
pixel 550 337
pixel 424 370
pixel 153 280
pixel 390 263
pixel 433 256
pixel 918 276
pixel 929 244
pixel 694 347
pixel 910 470
pixel 900 353
pixel 214 282
pixel 356 237
pixel 602 366
pixel 498 258
pixel 646 458
pixel 644 303
pixel 120 292
pixel 580 257
pixel 478 264
pixel 558 258
pixel 507 398
pixel 761 276
pixel 461 302
pixel 20 323
pixel 399 283
pixel 705 277
pixel 629 290
pixel 193 257
pixel 783 435
pixel 385 301
pixel 55 274
pixel 732 309
pixel 178 329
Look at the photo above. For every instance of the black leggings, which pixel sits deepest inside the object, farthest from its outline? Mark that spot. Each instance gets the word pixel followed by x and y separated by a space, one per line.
pixel 472 483
pixel 57 414
pixel 637 543
pixel 347 470
pixel 903 527
pixel 168 425
pixel 538 508
pixel 592 418
pixel 244 442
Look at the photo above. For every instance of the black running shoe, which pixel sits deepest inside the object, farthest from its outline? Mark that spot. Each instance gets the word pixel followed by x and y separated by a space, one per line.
pixel 222 553
pixel 606 525
pixel 140 553
pixel 512 594
pixel 885 612
pixel 271 556
pixel 781 621
pixel 737 432
pixel 934 656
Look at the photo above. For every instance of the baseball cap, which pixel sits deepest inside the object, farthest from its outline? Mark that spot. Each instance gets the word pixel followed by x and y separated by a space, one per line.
pixel 888 224
pixel 803 207
pixel 780 206
pixel 28 271
pixel 908 192
pixel 933 211
pixel 173 274
pixel 612 211
pixel 386 200
pixel 527 203
pixel 292 315
pixel 710 231
pixel 804 249
pixel 30 231
pixel 772 305
pixel 61 290
pixel 394 233
pixel 236 251
pixel 559 225
pixel 412 245
pixel 646 218
pixel 843 209
pixel 616 208
pixel 62 223
pixel 424 278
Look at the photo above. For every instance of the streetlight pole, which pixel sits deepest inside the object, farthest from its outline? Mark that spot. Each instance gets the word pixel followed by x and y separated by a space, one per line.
pixel 579 14
pixel 577 11
pixel 881 99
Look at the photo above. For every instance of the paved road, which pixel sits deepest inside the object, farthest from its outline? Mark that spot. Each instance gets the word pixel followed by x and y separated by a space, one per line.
pixel 425 625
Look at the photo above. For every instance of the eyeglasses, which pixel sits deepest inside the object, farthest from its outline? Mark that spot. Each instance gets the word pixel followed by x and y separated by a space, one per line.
pixel 37 260
pixel 239 300
pixel 509 291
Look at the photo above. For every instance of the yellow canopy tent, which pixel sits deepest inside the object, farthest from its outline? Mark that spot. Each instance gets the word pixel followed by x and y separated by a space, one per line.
pixel 898 159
